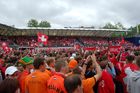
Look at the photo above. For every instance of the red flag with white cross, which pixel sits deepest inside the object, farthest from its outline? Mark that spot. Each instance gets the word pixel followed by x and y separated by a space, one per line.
pixel 42 38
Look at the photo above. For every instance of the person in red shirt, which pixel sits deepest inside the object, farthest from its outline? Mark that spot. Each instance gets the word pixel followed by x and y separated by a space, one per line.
pixel 2 66
pixel 124 55
pixel 106 84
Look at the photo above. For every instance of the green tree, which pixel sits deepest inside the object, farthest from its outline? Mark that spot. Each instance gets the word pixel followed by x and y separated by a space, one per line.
pixel 32 23
pixel 109 26
pixel 44 24
pixel 133 31
pixel 119 25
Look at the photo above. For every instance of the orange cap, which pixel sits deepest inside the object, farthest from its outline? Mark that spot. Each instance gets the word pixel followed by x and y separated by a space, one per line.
pixel 73 63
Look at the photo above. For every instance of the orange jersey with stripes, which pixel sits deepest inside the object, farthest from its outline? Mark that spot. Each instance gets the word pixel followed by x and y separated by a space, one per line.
pixel 56 84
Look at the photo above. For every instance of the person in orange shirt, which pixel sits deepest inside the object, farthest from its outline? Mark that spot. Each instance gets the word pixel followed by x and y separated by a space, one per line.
pixel 37 81
pixel 27 63
pixel 56 82
pixel 48 72
pixel 89 82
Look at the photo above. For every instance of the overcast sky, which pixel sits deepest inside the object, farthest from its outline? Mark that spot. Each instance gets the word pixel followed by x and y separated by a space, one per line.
pixel 62 13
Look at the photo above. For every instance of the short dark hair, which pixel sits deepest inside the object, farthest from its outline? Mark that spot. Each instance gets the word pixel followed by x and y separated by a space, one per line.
pixel 59 64
pixel 49 61
pixel 103 64
pixel 138 61
pixel 38 62
pixel 72 82
pixel 77 70
pixel 130 58
pixel 89 64
pixel 104 57
pixel 9 85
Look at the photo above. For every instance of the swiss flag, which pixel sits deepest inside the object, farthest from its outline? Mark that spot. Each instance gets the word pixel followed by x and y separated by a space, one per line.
pixel 7 49
pixel 77 46
pixel 42 38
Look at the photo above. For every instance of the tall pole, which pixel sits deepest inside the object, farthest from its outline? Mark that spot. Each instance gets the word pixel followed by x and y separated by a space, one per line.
pixel 137 29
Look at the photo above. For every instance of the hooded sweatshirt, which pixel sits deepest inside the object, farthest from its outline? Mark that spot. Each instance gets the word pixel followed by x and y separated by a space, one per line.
pixel 133 84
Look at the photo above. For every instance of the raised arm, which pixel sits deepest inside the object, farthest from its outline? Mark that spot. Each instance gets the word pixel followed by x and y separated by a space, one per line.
pixel 98 69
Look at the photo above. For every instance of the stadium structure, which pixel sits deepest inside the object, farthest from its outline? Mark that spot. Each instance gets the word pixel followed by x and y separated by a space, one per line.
pixel 64 37
pixel 11 31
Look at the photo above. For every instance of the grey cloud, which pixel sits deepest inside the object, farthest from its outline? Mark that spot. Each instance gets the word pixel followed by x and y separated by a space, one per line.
pixel 62 13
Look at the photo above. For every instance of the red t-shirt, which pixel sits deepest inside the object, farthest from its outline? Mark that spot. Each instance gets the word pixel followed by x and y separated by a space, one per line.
pixel 106 84
pixel 113 60
pixel 1 61
pixel 120 66
pixel 123 56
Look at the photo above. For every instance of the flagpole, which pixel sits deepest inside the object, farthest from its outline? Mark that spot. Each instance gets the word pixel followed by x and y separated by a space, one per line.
pixel 137 29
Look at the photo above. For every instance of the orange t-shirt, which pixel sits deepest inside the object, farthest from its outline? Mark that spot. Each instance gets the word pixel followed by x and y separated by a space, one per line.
pixel 56 84
pixel 22 78
pixel 88 85
pixel 37 82
pixel 49 72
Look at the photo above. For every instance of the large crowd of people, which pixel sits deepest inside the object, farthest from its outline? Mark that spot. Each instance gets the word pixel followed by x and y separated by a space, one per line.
pixel 31 41
pixel 69 70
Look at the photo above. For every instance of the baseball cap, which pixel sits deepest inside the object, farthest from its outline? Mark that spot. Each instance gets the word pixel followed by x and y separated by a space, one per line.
pixel 10 70
pixel 71 57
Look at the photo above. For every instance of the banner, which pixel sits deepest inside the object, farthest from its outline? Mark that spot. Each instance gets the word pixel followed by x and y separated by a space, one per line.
pixel 114 49
pixel 77 46
pixel 89 48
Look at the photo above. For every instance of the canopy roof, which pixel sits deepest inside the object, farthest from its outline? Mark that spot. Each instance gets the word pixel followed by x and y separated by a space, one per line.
pixel 11 31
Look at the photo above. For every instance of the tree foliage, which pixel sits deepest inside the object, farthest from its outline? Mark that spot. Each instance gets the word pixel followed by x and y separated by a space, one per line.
pixel 134 31
pixel 32 23
pixel 109 25
pixel 44 24
pixel 119 25
pixel 35 23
